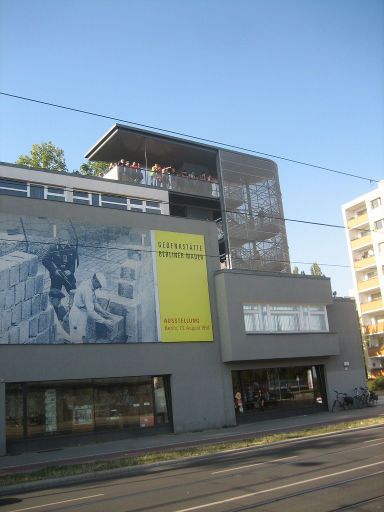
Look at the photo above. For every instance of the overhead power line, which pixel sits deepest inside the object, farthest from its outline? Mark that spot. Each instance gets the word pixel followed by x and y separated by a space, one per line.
pixel 210 141
pixel 151 251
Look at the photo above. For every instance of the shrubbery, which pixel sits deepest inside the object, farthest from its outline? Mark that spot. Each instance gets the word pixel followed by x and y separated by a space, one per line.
pixel 376 384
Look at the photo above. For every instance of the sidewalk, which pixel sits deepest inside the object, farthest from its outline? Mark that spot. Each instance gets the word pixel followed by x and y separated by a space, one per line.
pixel 31 461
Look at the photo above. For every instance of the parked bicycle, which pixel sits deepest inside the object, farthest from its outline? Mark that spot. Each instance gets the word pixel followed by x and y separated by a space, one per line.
pixel 342 402
pixel 364 398
pixel 370 397
pixel 359 398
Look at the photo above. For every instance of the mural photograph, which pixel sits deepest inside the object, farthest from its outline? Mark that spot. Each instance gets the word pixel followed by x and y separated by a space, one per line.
pixel 65 282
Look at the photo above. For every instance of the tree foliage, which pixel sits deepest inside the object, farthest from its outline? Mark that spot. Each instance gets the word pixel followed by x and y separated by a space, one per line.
pixel 295 270
pixel 316 270
pixel 44 156
pixel 94 168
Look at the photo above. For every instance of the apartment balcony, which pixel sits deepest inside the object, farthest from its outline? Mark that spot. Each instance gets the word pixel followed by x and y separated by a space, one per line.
pixel 374 328
pixel 360 220
pixel 376 351
pixel 375 305
pixel 360 243
pixel 369 284
pixel 365 263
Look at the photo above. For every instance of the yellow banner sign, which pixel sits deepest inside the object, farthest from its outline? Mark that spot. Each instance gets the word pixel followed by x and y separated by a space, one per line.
pixel 184 312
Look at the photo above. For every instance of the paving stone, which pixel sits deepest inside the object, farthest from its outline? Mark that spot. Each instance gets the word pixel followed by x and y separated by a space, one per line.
pixel 36 304
pixel 24 331
pixel 6 320
pixel 44 300
pixel 16 314
pixel 14 334
pixel 26 309
pixel 133 320
pixel 43 321
pixel 10 297
pixel 114 303
pixel 19 292
pixel 125 289
pixel 5 267
pixel 29 287
pixel 33 326
pixel 13 269
pixel 43 337
pixel 129 270
pixel 28 261
pixel 98 332
pixel 39 283
pixel 52 333
pixel 33 267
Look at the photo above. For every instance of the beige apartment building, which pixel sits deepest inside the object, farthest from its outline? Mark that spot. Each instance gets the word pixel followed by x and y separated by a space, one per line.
pixel 364 220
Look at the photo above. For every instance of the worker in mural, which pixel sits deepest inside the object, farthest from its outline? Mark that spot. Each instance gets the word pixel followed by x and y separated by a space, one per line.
pixel 61 261
pixel 85 306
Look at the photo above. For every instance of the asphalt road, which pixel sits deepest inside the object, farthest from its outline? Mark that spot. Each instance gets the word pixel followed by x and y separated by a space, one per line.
pixel 335 472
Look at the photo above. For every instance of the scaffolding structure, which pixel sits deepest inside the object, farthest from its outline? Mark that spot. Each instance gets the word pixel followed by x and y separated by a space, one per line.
pixel 253 218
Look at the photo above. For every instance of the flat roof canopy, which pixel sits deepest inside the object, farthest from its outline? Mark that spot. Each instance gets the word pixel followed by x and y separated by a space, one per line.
pixel 139 145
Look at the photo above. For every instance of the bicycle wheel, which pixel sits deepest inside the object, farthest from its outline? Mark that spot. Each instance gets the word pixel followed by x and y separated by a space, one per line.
pixel 336 406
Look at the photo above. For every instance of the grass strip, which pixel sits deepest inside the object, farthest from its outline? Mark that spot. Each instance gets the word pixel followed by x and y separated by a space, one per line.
pixel 170 455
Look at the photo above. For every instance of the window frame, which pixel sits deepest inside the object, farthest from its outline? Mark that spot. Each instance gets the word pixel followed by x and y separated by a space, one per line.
pixel 81 200
pixel 375 203
pixel 379 224
pixel 52 196
pixel 269 318
pixel 19 191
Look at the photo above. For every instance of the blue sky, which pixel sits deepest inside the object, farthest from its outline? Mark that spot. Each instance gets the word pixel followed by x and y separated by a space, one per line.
pixel 298 78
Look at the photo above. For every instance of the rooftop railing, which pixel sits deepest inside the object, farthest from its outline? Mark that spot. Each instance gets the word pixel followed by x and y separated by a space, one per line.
pixel 184 184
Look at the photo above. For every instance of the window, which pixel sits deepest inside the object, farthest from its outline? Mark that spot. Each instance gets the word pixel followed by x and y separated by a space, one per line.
pixel 116 202
pixel 55 194
pixel 36 191
pixel 137 205
pixel 80 197
pixel 13 188
pixel 379 224
pixel 153 207
pixel 284 318
pixel 375 203
pixel 46 408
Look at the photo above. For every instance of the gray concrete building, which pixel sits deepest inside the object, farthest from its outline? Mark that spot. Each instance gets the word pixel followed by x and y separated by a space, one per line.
pixel 114 322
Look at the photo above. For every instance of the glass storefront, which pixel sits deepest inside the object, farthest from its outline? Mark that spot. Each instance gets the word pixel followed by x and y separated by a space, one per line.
pixel 44 408
pixel 279 391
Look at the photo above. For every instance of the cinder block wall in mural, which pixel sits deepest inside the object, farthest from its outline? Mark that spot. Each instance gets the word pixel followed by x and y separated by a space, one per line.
pixel 64 282
pixel 25 312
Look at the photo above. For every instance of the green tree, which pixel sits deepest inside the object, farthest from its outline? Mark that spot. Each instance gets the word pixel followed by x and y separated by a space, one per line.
pixel 44 156
pixel 94 168
pixel 295 270
pixel 316 270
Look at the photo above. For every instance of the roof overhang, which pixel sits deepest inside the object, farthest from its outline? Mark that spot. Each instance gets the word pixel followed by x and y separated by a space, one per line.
pixel 140 145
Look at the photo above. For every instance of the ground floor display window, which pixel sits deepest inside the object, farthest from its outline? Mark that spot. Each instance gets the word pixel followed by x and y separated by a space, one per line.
pixel 68 407
pixel 278 390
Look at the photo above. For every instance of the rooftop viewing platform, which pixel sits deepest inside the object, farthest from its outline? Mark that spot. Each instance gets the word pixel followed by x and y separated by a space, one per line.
pixel 204 185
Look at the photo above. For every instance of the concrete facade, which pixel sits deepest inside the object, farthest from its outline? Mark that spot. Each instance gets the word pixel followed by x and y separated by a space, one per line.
pixel 200 373
pixel 201 388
